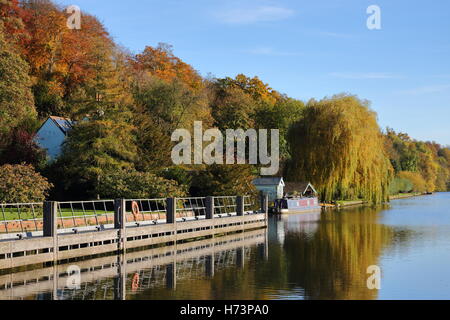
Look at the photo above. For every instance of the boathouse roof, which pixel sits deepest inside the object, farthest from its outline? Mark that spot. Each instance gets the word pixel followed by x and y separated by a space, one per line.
pixel 301 187
pixel 269 181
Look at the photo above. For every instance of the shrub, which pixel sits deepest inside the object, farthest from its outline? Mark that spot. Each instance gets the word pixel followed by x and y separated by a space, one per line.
pixel 131 184
pixel 419 183
pixel 223 180
pixel 21 183
pixel 400 185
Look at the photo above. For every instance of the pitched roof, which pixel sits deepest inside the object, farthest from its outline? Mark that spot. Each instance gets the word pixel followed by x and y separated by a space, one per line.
pixel 268 181
pixel 62 123
pixel 292 187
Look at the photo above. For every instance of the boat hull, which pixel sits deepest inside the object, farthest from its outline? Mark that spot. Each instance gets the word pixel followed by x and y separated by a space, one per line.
pixel 299 205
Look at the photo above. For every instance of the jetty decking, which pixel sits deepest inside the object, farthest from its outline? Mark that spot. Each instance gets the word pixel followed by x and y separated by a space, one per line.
pixel 69 230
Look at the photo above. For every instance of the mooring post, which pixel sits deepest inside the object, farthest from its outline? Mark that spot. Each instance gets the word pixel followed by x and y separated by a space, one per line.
pixel 171 215
pixel 50 214
pixel 50 225
pixel 209 207
pixel 240 206
pixel 171 210
pixel 264 198
pixel 120 223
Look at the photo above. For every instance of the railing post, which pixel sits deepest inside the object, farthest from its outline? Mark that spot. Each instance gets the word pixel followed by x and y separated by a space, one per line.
pixel 50 214
pixel 171 210
pixel 120 222
pixel 264 198
pixel 209 207
pixel 50 224
pixel 119 214
pixel 240 206
pixel 264 203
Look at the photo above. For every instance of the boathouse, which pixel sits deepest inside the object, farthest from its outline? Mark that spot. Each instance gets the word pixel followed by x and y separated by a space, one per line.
pixel 273 187
pixel 52 134
pixel 300 189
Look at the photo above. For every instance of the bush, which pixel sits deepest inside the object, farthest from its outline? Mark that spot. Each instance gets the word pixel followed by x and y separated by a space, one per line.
pixel 20 183
pixel 400 185
pixel 419 183
pixel 131 184
pixel 223 180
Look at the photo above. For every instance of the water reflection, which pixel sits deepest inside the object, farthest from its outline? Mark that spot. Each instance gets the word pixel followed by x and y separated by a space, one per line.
pixel 136 274
pixel 321 255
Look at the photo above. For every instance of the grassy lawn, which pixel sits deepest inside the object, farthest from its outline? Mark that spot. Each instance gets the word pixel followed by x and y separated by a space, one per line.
pixel 27 213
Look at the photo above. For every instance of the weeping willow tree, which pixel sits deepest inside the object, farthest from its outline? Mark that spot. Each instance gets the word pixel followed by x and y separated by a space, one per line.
pixel 338 146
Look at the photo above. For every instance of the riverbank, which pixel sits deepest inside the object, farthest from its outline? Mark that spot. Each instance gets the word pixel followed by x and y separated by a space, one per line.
pixel 350 203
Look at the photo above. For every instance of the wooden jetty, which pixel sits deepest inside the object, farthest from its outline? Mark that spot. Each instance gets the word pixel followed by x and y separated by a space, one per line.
pixel 58 244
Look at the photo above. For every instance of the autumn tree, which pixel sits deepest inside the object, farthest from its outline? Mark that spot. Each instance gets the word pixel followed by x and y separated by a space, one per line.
pixel 162 63
pixel 338 146
pixel 16 98
pixel 22 184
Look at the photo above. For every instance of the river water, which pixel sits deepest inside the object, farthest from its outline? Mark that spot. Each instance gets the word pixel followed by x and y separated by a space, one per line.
pixel 301 256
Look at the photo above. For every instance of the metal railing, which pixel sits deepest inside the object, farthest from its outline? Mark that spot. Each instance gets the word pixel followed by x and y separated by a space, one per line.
pixel 21 217
pixel 137 210
pixel 191 208
pixel 76 214
pixel 28 217
pixel 225 206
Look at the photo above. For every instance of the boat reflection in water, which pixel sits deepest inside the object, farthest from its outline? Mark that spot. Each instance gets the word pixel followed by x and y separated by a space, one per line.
pixel 305 223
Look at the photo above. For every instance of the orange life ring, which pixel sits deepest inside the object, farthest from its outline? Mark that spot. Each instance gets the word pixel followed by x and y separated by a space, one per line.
pixel 135 282
pixel 135 209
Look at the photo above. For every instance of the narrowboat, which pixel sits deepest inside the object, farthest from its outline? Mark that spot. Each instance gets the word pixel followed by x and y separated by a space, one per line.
pixel 300 197
pixel 296 205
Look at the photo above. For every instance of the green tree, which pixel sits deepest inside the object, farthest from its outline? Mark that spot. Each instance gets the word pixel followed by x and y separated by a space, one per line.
pixel 98 146
pixel 223 180
pixel 280 115
pixel 131 184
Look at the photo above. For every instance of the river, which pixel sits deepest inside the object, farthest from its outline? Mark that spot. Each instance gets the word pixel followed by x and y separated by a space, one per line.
pixel 301 256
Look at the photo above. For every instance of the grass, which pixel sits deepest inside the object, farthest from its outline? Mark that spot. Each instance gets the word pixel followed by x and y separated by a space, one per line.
pixel 27 213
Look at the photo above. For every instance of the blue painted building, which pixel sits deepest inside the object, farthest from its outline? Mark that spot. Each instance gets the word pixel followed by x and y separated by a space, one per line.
pixel 52 135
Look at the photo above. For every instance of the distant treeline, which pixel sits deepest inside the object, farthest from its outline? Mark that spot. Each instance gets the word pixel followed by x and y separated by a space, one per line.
pixel 127 105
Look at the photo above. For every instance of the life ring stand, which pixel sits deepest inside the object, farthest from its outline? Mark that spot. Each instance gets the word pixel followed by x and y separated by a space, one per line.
pixel 135 282
pixel 135 209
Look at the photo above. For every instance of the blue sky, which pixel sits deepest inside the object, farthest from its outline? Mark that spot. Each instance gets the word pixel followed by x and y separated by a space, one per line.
pixel 308 49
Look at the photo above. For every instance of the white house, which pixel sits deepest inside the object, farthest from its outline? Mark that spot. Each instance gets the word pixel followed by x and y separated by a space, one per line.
pixel 52 134
pixel 273 187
